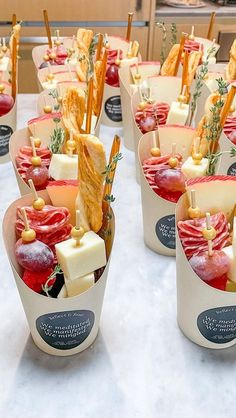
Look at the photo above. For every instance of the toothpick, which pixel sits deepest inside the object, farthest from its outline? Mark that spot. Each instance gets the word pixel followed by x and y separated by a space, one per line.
pixel 58 34
pixel 70 72
pixel 208 225
pixel 129 26
pixel 78 219
pixel 154 140
pixel 33 190
pixel 4 42
pixel 192 32
pixel 25 219
pixel 173 148
pixel 193 198
pixel 33 146
pixel 14 68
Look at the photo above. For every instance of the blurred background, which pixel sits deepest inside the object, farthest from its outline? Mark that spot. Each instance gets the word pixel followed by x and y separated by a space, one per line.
pixel 111 17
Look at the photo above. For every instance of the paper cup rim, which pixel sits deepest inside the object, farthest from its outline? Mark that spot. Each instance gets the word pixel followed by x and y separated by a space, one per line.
pixel 44 117
pixel 176 126
pixel 144 63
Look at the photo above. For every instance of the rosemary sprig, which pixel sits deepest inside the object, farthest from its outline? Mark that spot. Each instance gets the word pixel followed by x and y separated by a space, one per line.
pixel 110 168
pixel 91 53
pixel 214 158
pixel 161 25
pixel 55 95
pixel 199 83
pixel 173 30
pixel 213 127
pixel 56 139
pixel 45 287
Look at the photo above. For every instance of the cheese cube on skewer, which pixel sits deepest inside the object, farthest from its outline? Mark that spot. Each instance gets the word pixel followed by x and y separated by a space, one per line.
pixel 178 114
pixel 79 285
pixel 63 167
pixel 79 260
pixel 192 170
pixel 232 270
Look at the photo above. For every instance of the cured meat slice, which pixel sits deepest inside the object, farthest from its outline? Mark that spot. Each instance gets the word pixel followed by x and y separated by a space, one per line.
pixel 23 158
pixel 51 224
pixel 159 111
pixel 190 233
pixel 151 166
pixel 230 128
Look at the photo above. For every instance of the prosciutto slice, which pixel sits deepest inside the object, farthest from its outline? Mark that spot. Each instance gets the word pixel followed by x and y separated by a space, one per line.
pixel 190 233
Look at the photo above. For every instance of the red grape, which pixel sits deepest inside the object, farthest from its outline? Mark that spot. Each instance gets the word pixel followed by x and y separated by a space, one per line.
pixel 6 103
pixel 210 268
pixel 147 124
pixel 170 179
pixel 232 136
pixel 39 175
pixel 34 255
pixel 112 76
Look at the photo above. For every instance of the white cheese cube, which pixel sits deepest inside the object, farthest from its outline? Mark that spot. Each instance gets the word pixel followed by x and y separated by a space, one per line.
pixel 128 61
pixel 4 62
pixel 48 85
pixel 77 261
pixel 192 170
pixel 63 167
pixel 79 285
pixel 62 293
pixel 232 270
pixel 178 114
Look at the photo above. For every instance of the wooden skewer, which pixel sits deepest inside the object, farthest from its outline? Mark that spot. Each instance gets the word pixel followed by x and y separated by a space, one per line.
pixel 33 190
pixel 89 107
pixel 77 232
pixel 33 146
pixel 25 219
pixel 102 83
pixel 208 225
pixel 181 48
pixel 14 21
pixel 173 148
pixel 211 24
pixel 99 46
pixel 128 33
pixel 46 22
pixel 14 68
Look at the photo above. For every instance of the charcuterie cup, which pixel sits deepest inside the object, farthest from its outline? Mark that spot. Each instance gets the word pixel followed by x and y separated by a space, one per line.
pixel 61 73
pixel 163 90
pixel 159 213
pixel 127 88
pixel 206 315
pixel 40 127
pixel 111 111
pixel 63 326
pixel 7 127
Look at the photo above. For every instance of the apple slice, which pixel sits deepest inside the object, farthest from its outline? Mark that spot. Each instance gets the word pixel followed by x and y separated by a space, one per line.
pixel 63 193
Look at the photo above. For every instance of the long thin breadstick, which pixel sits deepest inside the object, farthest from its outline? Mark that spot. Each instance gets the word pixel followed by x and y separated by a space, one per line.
pixel 14 21
pixel 46 22
pixel 211 24
pixel 185 73
pixel 102 83
pixel 14 68
pixel 89 107
pixel 181 48
pixel 128 33
pixel 99 46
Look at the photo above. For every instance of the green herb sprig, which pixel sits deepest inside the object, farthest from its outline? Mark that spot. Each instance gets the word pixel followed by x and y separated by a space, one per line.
pixel 45 287
pixel 57 138
pixel 162 26
pixel 173 30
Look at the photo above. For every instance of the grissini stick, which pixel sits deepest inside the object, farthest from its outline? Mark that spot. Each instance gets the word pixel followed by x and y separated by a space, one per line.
pixel 128 33
pixel 46 22
pixel 211 24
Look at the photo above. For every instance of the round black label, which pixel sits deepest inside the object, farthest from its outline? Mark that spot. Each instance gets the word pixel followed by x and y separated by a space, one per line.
pixel 218 325
pixel 165 230
pixel 232 170
pixel 5 134
pixel 113 108
pixel 65 330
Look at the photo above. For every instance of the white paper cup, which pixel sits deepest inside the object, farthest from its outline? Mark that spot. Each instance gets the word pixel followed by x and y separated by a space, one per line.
pixel 163 89
pixel 158 213
pixel 227 164
pixel 7 127
pixel 207 316
pixel 111 114
pixel 127 88
pixel 63 326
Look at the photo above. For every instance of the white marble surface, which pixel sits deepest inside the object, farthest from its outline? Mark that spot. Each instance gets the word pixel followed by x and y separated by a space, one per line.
pixel 140 365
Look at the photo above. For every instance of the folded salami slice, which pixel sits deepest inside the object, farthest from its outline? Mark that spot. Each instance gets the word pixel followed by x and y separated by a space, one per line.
pixel 230 128
pixel 159 111
pixel 51 224
pixel 190 233
pixel 23 159
pixel 151 166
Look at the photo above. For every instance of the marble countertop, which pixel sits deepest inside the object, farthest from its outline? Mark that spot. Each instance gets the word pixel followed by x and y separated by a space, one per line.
pixel 141 365
pixel 163 10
